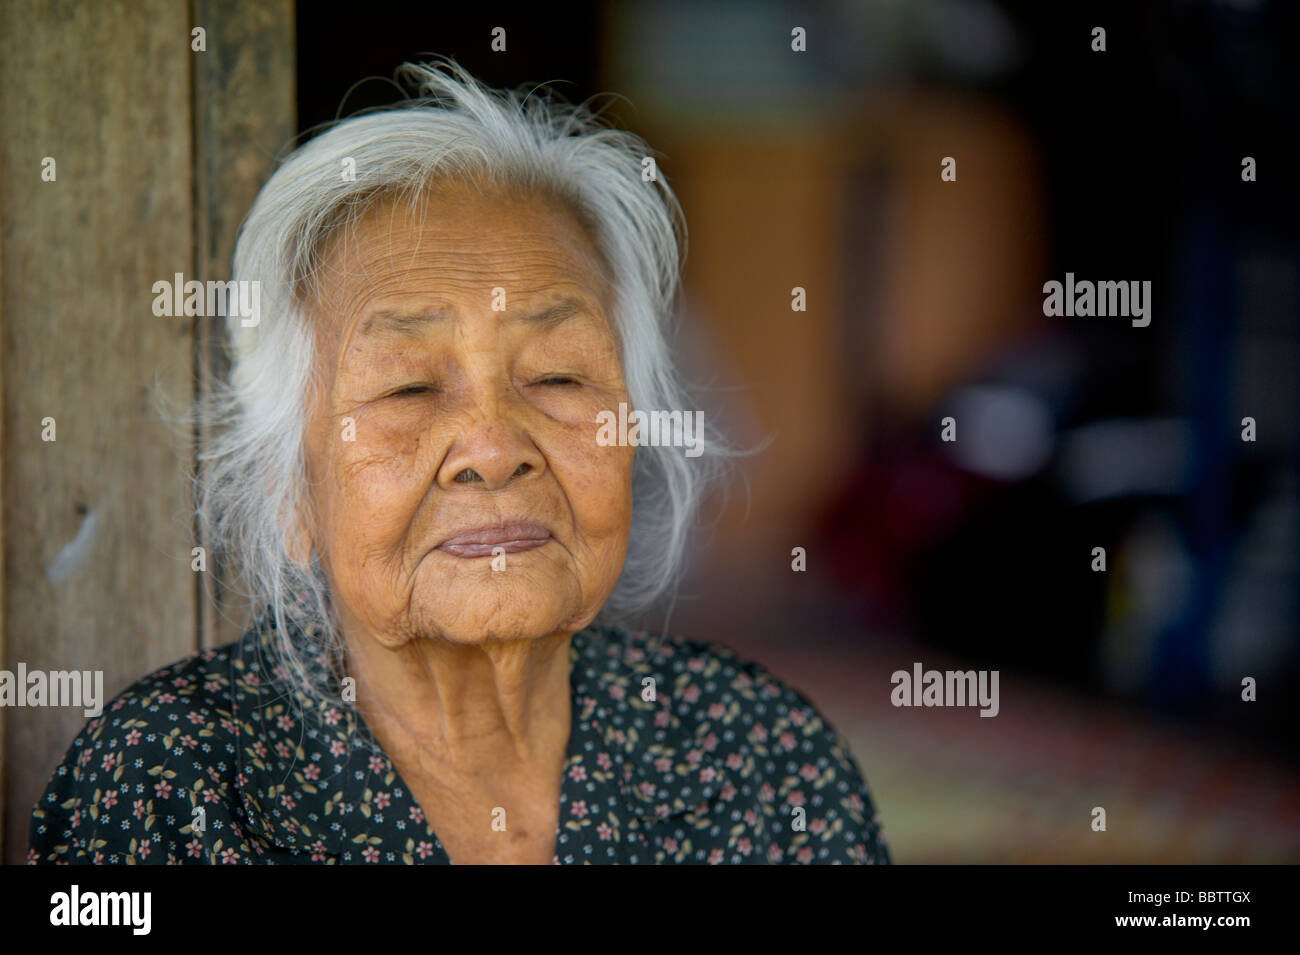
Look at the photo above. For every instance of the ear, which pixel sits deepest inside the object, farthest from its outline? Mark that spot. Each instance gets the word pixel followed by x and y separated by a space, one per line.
pixel 299 539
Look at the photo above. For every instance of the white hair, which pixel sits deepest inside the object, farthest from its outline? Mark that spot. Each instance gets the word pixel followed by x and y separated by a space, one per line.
pixel 251 478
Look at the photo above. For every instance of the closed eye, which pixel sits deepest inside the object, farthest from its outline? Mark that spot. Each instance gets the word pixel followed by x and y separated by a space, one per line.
pixel 558 380
pixel 412 390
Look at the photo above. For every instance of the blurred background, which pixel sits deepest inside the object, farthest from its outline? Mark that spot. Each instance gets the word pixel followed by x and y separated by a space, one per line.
pixel 821 169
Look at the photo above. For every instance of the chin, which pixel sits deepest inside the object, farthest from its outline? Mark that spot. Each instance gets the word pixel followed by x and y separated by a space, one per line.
pixel 521 614
pixel 536 596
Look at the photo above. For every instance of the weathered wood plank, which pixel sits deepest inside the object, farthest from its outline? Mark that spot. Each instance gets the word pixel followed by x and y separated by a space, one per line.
pixel 3 652
pixel 245 109
pixel 97 539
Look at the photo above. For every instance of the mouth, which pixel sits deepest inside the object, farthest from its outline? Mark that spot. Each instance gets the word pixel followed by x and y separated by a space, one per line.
pixel 495 539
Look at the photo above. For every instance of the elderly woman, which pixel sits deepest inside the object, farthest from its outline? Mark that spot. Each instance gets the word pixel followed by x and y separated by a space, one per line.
pixel 408 474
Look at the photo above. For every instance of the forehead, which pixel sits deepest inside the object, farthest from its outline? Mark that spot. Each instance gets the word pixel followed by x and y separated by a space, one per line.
pixel 458 243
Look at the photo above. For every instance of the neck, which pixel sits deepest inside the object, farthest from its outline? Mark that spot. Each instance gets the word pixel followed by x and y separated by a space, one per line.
pixel 458 709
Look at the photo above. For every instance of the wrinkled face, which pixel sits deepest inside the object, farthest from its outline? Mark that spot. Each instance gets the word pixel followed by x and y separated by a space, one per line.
pixel 457 488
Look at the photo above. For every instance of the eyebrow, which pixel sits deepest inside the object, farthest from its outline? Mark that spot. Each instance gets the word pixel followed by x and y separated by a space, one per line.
pixel 411 324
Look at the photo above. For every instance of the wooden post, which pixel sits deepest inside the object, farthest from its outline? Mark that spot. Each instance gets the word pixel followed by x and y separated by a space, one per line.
pixel 97 528
pixel 244 119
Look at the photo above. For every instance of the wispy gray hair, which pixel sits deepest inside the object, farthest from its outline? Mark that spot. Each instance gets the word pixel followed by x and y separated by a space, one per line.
pixel 252 479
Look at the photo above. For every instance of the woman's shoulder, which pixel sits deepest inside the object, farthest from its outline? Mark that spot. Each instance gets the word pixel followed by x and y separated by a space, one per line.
pixel 701 675
pixel 143 763
pixel 741 729
pixel 191 696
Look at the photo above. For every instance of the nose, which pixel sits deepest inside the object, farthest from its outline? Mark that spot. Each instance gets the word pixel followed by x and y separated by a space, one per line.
pixel 490 452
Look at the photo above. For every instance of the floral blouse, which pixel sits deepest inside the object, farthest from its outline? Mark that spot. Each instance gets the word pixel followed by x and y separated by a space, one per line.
pixel 724 765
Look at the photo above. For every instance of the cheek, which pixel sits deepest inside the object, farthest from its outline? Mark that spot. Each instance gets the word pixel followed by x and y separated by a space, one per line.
pixel 597 483
pixel 375 483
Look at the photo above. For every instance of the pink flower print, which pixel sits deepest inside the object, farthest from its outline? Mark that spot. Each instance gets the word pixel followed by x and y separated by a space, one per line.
pixel 744 847
pixel 577 772
pixel 715 857
pixel 691 694
pixel 109 799
pixel 382 800
pixel 663 764
pixel 311 772
pixel 370 854
pixel 696 664
pixel 109 760
pixel 229 856
pixel 817 826
pixel 662 718
pixel 137 809
pixel 716 710
pixel 603 761
pixel 798 717
pixel 805 855
pixel 417 814
pixel 670 845
pixel 579 808
pixel 795 798
pixel 604 832
pixel 332 716
pixel 285 722
pixel 707 774
pixel 133 737
pixel 162 789
pixel 787 740
pixel 617 692
pixel 195 849
pixel 808 771
pixel 424 850
pixel 376 764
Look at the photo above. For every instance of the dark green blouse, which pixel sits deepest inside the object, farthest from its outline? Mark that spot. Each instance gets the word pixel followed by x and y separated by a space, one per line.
pixel 726 765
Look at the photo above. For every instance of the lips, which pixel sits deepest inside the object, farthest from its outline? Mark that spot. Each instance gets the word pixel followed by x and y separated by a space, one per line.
pixel 511 538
